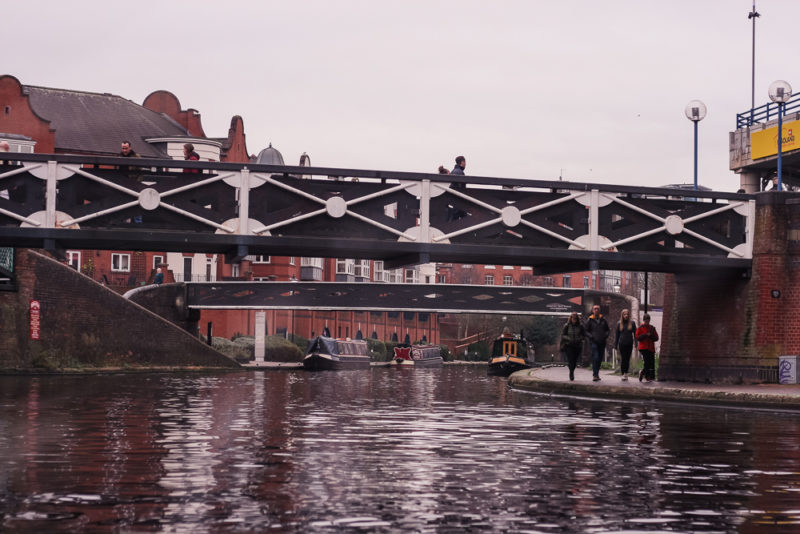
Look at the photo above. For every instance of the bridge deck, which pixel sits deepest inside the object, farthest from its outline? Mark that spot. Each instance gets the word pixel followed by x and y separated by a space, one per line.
pixel 58 202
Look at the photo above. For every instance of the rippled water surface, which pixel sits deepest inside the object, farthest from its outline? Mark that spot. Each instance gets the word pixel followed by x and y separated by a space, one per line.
pixel 383 450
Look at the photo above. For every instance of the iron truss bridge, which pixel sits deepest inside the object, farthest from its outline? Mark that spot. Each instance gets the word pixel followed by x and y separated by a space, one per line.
pixel 444 298
pixel 60 202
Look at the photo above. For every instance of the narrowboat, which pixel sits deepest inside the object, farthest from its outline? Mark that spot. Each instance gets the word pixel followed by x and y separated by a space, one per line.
pixel 328 354
pixel 509 354
pixel 417 356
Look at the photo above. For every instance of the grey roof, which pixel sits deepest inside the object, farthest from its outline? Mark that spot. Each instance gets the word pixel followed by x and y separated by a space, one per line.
pixel 15 136
pixel 270 156
pixel 97 123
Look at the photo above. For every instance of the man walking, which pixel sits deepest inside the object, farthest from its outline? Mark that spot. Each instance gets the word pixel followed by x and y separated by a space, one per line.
pixel 597 331
pixel 461 164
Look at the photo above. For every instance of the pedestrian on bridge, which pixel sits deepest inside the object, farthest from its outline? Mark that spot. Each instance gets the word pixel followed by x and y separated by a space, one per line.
pixel 127 151
pixel 190 155
pixel 647 336
pixel 461 164
pixel 159 277
pixel 597 330
pixel 572 336
pixel 623 341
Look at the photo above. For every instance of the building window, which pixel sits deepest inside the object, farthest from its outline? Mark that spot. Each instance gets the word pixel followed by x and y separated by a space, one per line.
pixel 549 282
pixel 345 266
pixel 396 276
pixel 74 259
pixel 311 262
pixel 235 270
pixel 594 281
pixel 188 262
pixel 121 263
pixel 158 260
pixel 442 279
pixel 411 276
pixel 261 259
pixel 585 281
pixel 566 281
pixel 291 260
pixel 508 280
pixel 361 268
pixel 488 266
pixel 508 267
pixel 380 274
pixel 489 280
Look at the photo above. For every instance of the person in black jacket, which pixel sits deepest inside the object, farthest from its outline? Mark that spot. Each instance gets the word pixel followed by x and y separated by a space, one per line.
pixel 597 331
pixel 623 341
pixel 572 342
pixel 461 164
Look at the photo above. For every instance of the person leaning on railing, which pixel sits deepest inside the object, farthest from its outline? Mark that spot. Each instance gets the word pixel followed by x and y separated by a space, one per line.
pixel 127 151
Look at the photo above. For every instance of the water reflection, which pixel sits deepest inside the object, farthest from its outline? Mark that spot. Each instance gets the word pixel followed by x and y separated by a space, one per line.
pixel 385 450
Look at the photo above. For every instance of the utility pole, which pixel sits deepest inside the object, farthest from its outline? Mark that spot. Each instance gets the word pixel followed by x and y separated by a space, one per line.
pixel 753 15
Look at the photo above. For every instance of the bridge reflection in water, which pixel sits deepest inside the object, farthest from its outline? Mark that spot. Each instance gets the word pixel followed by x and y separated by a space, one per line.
pixel 387 450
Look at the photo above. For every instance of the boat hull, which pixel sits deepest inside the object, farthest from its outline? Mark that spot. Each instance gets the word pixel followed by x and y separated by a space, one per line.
pixel 328 362
pixel 504 365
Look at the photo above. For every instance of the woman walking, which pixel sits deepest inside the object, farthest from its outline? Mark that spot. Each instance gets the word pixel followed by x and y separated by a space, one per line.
pixel 647 336
pixel 572 336
pixel 623 342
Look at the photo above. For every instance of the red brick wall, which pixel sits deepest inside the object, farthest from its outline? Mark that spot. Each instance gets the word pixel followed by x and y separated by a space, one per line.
pixel 167 103
pixel 16 116
pixel 732 329
pixel 84 324
pixel 236 146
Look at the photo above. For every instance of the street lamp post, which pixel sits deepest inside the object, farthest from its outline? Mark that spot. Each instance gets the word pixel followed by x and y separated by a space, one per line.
pixel 780 92
pixel 753 15
pixel 695 112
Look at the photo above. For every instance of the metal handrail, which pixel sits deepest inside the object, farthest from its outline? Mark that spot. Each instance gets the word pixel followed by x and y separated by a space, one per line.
pixel 765 113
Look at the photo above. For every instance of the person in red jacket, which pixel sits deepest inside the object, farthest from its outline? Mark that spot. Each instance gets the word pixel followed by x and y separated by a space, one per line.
pixel 647 336
pixel 190 155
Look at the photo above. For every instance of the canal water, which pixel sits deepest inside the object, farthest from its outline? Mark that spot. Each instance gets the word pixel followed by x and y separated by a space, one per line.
pixel 382 450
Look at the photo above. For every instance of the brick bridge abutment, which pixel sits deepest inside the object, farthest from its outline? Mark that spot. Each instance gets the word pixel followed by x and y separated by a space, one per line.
pixel 81 324
pixel 731 328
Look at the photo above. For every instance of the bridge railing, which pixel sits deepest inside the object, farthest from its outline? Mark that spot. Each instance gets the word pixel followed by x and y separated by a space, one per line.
pixel 765 113
pixel 400 217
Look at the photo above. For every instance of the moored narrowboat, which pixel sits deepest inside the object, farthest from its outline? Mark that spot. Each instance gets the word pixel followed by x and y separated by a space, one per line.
pixel 509 354
pixel 417 356
pixel 329 354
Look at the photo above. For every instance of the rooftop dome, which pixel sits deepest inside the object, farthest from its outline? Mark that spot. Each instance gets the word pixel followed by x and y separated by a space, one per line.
pixel 270 156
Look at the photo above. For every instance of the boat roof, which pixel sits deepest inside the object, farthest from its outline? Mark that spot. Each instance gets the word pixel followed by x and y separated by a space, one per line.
pixel 331 345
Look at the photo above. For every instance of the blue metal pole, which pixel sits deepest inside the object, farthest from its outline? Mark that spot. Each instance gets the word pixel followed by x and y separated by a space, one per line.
pixel 780 145
pixel 695 154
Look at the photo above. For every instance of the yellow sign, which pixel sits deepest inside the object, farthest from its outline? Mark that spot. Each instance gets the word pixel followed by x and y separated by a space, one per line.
pixel 764 143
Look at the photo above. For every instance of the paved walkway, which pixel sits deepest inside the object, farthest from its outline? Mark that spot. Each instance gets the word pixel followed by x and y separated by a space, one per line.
pixel 555 380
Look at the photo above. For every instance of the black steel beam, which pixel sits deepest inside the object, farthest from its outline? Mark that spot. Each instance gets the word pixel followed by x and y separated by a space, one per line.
pixel 431 298
pixel 546 259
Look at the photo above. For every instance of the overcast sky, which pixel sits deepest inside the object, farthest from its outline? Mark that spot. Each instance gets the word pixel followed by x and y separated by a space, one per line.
pixel 590 90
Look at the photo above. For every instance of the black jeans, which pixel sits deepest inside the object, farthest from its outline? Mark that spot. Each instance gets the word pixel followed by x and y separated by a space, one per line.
pixel 598 355
pixel 573 354
pixel 625 358
pixel 649 364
